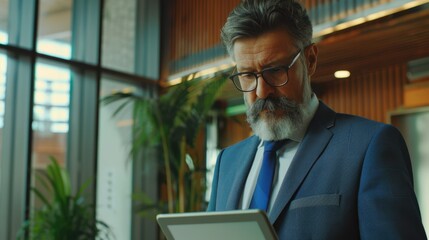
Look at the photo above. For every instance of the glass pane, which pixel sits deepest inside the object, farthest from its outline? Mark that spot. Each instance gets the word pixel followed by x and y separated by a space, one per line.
pixel 54 33
pixel 50 118
pixel 119 28
pixel 413 126
pixel 114 177
pixel 4 14
pixel 3 68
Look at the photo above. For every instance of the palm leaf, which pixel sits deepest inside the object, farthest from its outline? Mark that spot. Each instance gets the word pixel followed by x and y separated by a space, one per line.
pixel 65 216
pixel 202 106
pixel 171 120
pixel 82 188
pixel 41 197
pixel 146 123
pixel 56 179
pixel 172 104
pixel 42 177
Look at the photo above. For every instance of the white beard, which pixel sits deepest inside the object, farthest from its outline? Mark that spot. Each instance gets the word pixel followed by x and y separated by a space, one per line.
pixel 272 126
pixel 272 129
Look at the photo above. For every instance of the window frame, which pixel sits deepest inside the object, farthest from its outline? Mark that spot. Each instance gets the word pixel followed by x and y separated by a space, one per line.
pixel 86 70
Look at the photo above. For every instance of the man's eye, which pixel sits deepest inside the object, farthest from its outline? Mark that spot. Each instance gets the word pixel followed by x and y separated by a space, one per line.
pixel 246 76
pixel 274 70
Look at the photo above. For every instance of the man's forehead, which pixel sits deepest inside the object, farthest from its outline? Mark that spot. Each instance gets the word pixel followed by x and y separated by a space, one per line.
pixel 262 57
pixel 276 42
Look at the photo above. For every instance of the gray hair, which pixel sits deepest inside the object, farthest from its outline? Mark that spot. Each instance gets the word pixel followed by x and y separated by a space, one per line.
pixel 251 18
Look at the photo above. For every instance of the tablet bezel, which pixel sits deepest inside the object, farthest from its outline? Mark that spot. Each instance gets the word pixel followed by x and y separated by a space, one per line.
pixel 254 215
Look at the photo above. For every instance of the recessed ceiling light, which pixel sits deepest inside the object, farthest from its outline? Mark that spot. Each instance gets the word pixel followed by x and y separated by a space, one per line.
pixel 342 74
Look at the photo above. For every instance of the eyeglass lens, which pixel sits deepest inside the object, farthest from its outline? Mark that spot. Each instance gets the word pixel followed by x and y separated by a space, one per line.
pixel 275 77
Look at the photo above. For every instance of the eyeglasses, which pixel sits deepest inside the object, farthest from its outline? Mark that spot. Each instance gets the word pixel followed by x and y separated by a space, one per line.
pixel 273 76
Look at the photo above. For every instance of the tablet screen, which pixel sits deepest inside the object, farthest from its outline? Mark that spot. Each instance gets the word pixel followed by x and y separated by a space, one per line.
pixel 216 231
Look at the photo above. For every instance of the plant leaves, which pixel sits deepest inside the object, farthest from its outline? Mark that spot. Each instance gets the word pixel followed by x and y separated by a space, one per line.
pixel 64 216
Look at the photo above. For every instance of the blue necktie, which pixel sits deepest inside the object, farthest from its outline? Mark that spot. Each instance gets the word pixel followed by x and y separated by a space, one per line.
pixel 261 196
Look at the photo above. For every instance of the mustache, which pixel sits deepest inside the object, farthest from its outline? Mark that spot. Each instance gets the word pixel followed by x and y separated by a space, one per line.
pixel 271 104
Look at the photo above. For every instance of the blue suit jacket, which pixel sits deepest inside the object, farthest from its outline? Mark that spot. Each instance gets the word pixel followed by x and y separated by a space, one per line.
pixel 351 178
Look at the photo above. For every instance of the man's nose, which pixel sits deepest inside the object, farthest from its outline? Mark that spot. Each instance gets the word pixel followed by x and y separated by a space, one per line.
pixel 263 90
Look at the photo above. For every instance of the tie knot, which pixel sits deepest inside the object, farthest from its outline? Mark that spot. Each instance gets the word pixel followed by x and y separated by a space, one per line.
pixel 272 146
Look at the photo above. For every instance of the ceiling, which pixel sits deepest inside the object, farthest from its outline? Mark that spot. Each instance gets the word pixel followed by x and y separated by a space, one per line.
pixel 393 39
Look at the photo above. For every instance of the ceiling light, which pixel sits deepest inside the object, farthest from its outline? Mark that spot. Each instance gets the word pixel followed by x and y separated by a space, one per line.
pixel 342 74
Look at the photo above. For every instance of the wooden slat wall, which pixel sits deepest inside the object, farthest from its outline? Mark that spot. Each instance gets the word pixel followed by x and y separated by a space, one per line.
pixel 196 24
pixel 233 129
pixel 371 95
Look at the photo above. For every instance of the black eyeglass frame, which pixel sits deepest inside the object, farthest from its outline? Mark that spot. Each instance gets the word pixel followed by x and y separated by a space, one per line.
pixel 256 74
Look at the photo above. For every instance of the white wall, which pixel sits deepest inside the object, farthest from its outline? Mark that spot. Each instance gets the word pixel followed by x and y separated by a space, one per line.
pixel 114 177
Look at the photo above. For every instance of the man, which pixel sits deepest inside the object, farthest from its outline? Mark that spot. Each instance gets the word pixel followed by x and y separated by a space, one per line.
pixel 336 176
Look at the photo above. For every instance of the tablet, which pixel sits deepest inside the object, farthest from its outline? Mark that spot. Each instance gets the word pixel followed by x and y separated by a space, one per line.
pixel 228 225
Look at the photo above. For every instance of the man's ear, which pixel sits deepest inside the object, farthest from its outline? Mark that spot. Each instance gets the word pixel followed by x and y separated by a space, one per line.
pixel 311 58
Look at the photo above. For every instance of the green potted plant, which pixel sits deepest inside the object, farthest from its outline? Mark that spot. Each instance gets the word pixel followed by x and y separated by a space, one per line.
pixel 63 215
pixel 172 121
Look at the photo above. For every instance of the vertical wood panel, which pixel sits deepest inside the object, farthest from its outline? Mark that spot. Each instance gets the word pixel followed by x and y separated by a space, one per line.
pixel 233 130
pixel 371 95
pixel 196 25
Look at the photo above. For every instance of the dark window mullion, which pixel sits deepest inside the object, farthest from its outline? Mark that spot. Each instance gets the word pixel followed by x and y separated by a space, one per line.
pixel 16 149
pixel 82 144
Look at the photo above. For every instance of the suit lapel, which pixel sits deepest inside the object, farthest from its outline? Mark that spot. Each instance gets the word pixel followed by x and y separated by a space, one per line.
pixel 312 146
pixel 242 163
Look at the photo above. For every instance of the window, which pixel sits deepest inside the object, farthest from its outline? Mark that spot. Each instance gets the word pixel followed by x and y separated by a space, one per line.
pixel 50 106
pixel 4 15
pixel 119 24
pixel 51 94
pixel 50 119
pixel 54 31
pixel 51 99
pixel 3 38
